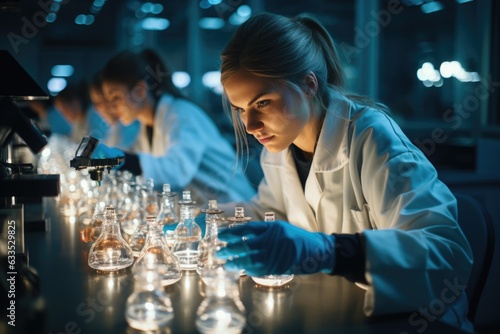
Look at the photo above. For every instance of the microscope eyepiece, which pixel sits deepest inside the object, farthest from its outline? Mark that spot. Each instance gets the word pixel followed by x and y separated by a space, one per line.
pixel 83 159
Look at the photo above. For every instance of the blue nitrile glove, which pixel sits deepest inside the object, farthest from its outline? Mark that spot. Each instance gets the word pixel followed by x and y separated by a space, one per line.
pixel 105 152
pixel 265 248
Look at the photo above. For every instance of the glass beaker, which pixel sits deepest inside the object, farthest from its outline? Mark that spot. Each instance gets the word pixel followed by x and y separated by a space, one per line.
pixel 187 234
pixel 272 280
pixel 222 310
pixel 110 252
pixel 148 308
pixel 157 254
pixel 167 214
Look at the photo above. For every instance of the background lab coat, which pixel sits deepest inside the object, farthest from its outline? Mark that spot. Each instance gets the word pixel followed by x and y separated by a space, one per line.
pixel 366 176
pixel 189 152
pixel 121 136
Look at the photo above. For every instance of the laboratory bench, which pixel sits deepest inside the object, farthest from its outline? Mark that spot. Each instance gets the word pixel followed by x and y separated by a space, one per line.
pixel 69 297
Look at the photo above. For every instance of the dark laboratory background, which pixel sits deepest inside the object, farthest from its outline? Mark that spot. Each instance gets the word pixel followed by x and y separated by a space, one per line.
pixel 434 63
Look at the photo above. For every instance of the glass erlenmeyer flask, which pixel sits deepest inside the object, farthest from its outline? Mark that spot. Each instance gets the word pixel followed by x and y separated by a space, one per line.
pixel 187 234
pixel 167 214
pixel 156 253
pixel 239 218
pixel 148 308
pixel 138 239
pixel 222 310
pixel 210 242
pixel 110 251
pixel 149 203
pixel 272 280
pixel 92 229
pixel 132 206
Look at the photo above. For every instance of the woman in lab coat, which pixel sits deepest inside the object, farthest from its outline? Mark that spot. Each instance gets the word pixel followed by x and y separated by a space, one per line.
pixel 355 196
pixel 177 142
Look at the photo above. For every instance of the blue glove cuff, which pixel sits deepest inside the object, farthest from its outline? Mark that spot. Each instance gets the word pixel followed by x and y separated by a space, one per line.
pixel 327 256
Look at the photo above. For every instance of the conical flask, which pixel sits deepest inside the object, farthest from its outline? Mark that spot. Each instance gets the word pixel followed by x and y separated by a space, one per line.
pixel 92 230
pixel 272 280
pixel 187 234
pixel 110 251
pixel 148 308
pixel 222 310
pixel 210 242
pixel 167 215
pixel 132 206
pixel 138 238
pixel 148 198
pixel 156 254
pixel 238 219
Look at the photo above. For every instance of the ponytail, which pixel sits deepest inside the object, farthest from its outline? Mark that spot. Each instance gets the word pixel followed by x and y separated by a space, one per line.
pixel 335 74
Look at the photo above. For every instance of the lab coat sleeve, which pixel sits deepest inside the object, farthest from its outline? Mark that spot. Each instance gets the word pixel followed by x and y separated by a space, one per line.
pixel 416 255
pixel 185 137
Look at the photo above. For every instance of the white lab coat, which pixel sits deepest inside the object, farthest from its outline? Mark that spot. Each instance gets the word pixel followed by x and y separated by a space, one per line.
pixel 189 152
pixel 121 136
pixel 366 176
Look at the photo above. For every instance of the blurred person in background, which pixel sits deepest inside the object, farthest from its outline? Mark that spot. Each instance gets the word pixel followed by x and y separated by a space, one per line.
pixel 178 143
pixel 74 104
pixel 115 134
pixel 50 120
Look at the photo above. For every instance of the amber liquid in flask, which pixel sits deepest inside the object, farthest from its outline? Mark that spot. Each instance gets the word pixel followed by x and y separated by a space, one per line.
pixel 110 252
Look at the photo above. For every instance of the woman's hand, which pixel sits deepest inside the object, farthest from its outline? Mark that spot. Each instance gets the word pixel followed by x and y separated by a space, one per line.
pixel 105 152
pixel 264 248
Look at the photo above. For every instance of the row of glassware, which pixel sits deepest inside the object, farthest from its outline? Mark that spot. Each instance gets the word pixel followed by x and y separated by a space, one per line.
pixel 159 264
pixel 157 252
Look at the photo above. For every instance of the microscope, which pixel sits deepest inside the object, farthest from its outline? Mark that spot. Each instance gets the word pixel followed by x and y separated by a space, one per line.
pixel 21 189
pixel 18 179
pixel 96 167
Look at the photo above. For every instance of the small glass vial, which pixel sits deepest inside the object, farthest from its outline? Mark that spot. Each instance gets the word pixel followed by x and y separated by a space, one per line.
pixel 156 254
pixel 110 252
pixel 148 308
pixel 187 234
pixel 222 310
pixel 272 280
pixel 167 215
pixel 239 217
pixel 210 242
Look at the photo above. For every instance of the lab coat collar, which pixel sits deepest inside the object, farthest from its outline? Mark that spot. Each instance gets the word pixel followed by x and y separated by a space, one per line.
pixel 331 149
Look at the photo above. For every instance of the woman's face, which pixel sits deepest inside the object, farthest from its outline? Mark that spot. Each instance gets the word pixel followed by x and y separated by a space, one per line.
pixel 122 102
pixel 71 110
pixel 102 106
pixel 262 109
